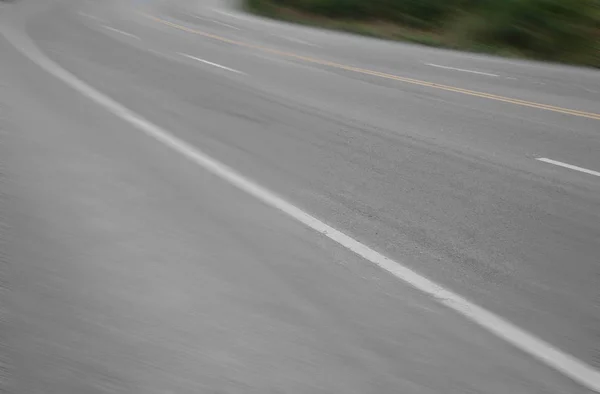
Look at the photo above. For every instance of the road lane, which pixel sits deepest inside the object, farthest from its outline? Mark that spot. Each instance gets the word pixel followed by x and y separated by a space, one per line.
pixel 431 82
pixel 135 271
pixel 570 82
pixel 563 86
pixel 478 125
pixel 411 198
pixel 542 134
pixel 295 149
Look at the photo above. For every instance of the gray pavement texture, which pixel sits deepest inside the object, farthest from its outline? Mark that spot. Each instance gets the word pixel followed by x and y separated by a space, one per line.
pixel 126 268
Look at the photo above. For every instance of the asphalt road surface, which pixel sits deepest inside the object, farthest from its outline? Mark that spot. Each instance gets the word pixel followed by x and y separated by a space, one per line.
pixel 129 268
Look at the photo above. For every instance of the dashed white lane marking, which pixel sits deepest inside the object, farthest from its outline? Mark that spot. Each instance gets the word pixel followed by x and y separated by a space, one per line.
pixel 216 22
pixel 521 339
pixel 229 14
pixel 461 69
pixel 210 63
pixel 289 38
pixel 121 32
pixel 297 40
pixel 90 16
pixel 569 166
pixel 225 24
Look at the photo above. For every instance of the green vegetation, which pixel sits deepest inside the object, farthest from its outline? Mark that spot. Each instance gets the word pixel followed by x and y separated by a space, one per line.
pixel 556 30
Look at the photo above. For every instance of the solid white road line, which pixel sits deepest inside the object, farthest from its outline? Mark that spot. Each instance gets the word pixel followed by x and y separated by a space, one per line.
pixel 121 32
pixel 569 166
pixel 210 63
pixel 461 69
pixel 528 343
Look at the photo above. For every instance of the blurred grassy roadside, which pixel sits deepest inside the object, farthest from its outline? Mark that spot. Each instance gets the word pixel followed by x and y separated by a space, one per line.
pixel 565 31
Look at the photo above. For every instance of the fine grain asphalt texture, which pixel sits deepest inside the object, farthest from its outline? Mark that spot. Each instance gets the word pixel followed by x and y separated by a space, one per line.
pixel 127 268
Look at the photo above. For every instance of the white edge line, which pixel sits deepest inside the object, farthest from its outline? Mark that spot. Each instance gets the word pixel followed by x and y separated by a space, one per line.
pixel 210 63
pixel 539 349
pixel 569 166
pixel 121 32
pixel 461 69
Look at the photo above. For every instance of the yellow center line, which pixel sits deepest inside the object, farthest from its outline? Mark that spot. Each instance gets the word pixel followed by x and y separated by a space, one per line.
pixel 590 115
